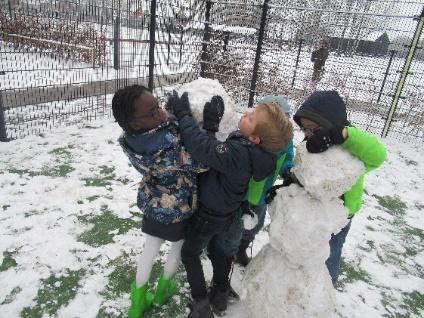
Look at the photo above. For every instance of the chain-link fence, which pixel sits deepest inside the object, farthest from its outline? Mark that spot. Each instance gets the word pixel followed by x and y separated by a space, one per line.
pixel 61 61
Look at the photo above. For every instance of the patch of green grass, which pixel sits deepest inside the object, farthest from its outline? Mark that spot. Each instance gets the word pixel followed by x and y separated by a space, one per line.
pixel 105 176
pixel 121 277
pixel 62 152
pixel 410 252
pixel 371 244
pixel 54 293
pixel 92 198
pixel 351 274
pixel 8 261
pixel 414 303
pixel 393 205
pixel 11 296
pixel 105 227
pixel 60 168
pixel 413 231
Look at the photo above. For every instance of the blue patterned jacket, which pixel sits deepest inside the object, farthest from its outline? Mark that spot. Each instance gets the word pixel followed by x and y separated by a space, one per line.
pixel 168 190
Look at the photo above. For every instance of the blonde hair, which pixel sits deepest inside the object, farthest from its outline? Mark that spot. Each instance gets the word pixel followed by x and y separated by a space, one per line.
pixel 275 130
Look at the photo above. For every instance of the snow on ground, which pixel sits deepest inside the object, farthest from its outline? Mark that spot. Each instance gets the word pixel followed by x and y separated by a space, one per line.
pixel 70 232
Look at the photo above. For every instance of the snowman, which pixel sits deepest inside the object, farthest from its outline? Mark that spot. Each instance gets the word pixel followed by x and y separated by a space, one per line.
pixel 201 91
pixel 288 277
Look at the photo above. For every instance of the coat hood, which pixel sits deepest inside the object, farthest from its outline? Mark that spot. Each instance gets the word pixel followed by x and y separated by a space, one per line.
pixel 326 108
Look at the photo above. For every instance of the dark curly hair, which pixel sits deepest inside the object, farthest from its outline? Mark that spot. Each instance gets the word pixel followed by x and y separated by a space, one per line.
pixel 123 105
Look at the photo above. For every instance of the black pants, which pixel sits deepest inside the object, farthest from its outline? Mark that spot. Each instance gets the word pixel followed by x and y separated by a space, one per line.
pixel 205 230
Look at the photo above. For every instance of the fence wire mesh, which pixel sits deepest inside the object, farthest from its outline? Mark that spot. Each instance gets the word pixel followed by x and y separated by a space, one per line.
pixel 61 61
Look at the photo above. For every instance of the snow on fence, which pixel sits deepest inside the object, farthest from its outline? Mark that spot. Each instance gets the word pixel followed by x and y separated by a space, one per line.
pixel 267 53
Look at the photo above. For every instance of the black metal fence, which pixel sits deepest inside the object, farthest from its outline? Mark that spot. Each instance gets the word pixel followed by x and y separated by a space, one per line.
pixel 61 61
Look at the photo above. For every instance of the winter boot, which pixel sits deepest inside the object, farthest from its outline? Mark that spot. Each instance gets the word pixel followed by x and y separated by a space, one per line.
pixel 242 257
pixel 200 308
pixel 233 297
pixel 219 299
pixel 141 300
pixel 165 289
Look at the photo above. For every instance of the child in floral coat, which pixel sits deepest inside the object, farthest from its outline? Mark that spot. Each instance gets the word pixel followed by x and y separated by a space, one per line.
pixel 167 192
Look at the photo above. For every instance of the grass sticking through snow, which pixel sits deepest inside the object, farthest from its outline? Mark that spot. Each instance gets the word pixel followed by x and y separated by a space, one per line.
pixel 60 168
pixel 8 261
pixel 55 292
pixel 105 227
pixel 393 205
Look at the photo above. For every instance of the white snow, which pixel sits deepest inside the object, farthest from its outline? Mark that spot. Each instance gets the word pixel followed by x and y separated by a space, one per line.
pixel 42 219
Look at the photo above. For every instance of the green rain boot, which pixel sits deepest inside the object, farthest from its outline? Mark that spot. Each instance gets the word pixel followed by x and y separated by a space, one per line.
pixel 165 289
pixel 141 300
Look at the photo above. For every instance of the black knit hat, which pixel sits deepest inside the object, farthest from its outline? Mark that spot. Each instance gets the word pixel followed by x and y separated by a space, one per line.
pixel 326 108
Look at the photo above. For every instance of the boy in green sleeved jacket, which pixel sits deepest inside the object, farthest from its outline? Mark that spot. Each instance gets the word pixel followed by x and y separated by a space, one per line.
pixel 323 119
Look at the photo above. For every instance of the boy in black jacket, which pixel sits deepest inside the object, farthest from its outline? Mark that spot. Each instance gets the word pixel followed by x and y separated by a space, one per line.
pixel 247 152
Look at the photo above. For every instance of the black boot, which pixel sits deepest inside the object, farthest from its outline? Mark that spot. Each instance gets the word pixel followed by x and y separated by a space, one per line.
pixel 200 308
pixel 219 299
pixel 242 257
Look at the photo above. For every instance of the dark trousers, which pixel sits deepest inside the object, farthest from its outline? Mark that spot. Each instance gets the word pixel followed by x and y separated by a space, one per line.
pixel 336 246
pixel 205 230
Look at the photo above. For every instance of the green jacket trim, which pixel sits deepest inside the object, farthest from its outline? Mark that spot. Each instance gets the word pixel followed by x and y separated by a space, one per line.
pixel 256 188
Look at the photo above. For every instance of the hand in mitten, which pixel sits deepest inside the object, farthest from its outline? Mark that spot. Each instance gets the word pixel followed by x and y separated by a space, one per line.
pixel 324 139
pixel 179 106
pixel 212 113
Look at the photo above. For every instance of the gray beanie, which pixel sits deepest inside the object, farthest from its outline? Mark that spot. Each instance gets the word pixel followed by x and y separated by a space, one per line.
pixel 280 100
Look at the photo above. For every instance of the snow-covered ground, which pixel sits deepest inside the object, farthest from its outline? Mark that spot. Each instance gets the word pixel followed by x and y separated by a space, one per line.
pixel 70 232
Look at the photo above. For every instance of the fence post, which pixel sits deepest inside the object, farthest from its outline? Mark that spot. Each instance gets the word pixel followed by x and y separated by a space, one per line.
pixel 258 53
pixel 392 53
pixel 116 40
pixel 206 38
pixel 3 134
pixel 297 61
pixel 405 72
pixel 226 40
pixel 169 43
pixel 152 43
pixel 181 47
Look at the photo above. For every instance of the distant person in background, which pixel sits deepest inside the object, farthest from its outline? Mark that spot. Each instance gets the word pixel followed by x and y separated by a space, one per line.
pixel 319 56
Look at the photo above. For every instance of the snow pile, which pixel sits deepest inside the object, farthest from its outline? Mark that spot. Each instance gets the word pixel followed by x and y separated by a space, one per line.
pixel 317 174
pixel 200 92
pixel 288 278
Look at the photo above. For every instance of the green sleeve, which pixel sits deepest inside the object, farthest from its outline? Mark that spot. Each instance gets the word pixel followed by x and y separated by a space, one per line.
pixel 365 147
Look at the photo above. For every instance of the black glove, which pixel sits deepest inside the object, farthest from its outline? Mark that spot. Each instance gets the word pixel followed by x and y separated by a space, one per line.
pixel 288 178
pixel 245 209
pixel 212 113
pixel 180 107
pixel 324 139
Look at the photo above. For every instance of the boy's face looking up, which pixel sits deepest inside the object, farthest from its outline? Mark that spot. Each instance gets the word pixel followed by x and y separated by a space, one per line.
pixel 147 113
pixel 248 122
pixel 309 127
